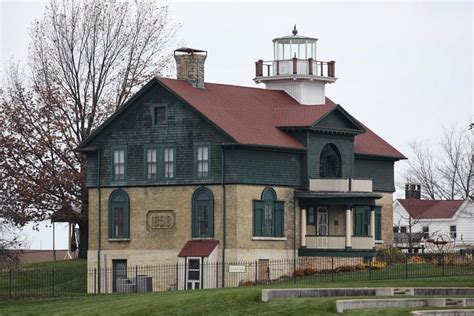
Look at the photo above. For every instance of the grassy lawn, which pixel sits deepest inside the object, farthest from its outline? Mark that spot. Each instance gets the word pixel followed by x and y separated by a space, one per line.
pixel 46 278
pixel 236 301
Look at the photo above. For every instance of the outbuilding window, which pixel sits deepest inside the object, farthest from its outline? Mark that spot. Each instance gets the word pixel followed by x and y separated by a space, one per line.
pixel 268 215
pixel 119 214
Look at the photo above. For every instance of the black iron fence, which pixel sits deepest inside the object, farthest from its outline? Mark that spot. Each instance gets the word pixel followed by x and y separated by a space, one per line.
pixel 21 283
pixel 196 273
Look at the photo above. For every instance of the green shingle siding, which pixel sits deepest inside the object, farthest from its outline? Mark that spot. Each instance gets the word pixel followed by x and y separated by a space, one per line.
pixel 134 129
pixel 336 120
pixel 262 167
pixel 345 145
pixel 380 171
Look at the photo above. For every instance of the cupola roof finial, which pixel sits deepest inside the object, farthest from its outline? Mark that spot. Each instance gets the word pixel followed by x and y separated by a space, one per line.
pixel 295 31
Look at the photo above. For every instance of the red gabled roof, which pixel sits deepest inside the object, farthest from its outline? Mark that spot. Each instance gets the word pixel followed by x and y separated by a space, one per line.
pixel 252 116
pixel 301 116
pixel 431 208
pixel 198 248
pixel 370 143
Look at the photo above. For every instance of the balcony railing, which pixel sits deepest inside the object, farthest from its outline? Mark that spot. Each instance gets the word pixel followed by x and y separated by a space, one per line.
pixel 339 242
pixel 340 185
pixel 295 66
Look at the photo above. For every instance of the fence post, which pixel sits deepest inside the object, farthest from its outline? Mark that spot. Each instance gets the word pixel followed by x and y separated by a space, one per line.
pixel 10 284
pixel 217 274
pixel 256 273
pixel 332 269
pixel 406 266
pixel 95 280
pixel 52 282
pixel 442 262
pixel 136 279
pixel 294 270
pixel 370 269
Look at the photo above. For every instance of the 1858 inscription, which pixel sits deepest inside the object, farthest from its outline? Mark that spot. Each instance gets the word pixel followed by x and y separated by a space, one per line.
pixel 158 220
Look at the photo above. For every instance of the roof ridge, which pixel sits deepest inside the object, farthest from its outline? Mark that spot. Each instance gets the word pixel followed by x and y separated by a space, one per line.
pixel 221 84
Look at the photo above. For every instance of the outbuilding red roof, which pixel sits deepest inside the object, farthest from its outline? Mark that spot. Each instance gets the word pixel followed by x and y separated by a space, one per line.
pixel 252 116
pixel 431 208
pixel 198 248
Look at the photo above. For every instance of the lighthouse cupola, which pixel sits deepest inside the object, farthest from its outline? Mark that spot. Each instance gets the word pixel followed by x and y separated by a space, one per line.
pixel 296 70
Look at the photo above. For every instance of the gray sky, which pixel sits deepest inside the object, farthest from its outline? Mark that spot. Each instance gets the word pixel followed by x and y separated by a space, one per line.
pixel 405 69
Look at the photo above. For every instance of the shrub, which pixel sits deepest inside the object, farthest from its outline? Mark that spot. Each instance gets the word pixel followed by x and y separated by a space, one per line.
pixel 246 283
pixel 304 271
pixel 415 260
pixel 390 255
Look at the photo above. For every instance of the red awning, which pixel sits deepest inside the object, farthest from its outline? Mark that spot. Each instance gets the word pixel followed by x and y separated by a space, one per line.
pixel 198 248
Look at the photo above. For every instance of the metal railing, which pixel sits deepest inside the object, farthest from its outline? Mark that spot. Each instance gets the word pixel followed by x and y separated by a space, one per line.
pixel 23 283
pixel 295 66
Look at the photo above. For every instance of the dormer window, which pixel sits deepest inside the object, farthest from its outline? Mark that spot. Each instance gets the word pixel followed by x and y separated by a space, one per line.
pixel 159 115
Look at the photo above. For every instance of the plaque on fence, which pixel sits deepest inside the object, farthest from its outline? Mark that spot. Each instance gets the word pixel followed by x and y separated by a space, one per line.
pixel 160 220
pixel 236 269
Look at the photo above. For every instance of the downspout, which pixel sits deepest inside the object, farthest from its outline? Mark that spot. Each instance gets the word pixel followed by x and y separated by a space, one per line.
pixel 99 219
pixel 294 239
pixel 223 214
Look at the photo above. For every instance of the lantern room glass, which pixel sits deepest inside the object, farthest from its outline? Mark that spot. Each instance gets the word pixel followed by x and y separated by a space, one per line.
pixel 301 48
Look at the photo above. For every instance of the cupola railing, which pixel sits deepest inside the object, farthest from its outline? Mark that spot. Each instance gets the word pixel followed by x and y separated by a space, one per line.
pixel 295 66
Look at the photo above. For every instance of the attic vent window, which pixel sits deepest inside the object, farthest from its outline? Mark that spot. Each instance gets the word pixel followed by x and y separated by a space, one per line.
pixel 330 162
pixel 159 115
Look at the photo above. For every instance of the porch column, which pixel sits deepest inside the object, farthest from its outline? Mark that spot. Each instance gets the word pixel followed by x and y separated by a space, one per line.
pixel 348 226
pixel 303 227
pixel 372 224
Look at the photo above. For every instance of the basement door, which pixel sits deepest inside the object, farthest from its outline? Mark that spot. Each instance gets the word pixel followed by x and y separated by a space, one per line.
pixel 119 271
pixel 193 273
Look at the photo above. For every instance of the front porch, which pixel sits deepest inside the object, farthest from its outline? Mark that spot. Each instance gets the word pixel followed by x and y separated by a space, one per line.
pixel 338 218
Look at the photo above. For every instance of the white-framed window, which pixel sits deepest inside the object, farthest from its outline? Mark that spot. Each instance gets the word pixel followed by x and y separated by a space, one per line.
pixel 426 232
pixel 202 160
pixel 452 231
pixel 151 163
pixel 169 162
pixel 119 164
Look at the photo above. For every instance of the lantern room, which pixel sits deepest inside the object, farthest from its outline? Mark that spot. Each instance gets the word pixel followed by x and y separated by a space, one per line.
pixel 301 47
pixel 295 69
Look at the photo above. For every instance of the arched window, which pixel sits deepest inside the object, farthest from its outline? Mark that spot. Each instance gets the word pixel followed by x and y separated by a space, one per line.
pixel 330 165
pixel 203 213
pixel 268 215
pixel 119 214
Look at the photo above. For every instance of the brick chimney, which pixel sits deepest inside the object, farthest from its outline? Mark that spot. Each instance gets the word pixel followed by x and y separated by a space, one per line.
pixel 190 65
pixel 412 191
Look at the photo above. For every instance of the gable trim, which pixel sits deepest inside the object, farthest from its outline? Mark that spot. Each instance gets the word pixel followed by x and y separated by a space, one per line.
pixel 359 127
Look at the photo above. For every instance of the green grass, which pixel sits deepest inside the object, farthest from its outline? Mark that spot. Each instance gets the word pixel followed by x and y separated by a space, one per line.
pixel 236 301
pixel 45 279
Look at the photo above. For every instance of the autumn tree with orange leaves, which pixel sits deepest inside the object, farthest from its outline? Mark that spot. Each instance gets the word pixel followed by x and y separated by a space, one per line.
pixel 86 58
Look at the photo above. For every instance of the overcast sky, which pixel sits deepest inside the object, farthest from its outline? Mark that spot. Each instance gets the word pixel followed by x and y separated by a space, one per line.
pixel 405 69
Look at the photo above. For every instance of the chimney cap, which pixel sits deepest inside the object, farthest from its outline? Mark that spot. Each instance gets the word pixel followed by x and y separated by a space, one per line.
pixel 189 50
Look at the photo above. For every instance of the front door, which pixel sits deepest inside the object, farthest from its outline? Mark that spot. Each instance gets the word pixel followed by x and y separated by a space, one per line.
pixel 322 224
pixel 193 273
pixel 119 271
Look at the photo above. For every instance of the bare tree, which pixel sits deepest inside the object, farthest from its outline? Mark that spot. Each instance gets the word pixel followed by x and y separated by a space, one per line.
pixel 85 60
pixel 447 174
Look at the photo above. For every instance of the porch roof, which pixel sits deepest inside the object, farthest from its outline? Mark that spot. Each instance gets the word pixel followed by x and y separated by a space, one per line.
pixel 347 197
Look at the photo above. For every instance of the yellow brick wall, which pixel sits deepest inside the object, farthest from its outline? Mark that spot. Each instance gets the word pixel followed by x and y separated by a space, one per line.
pixel 387 219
